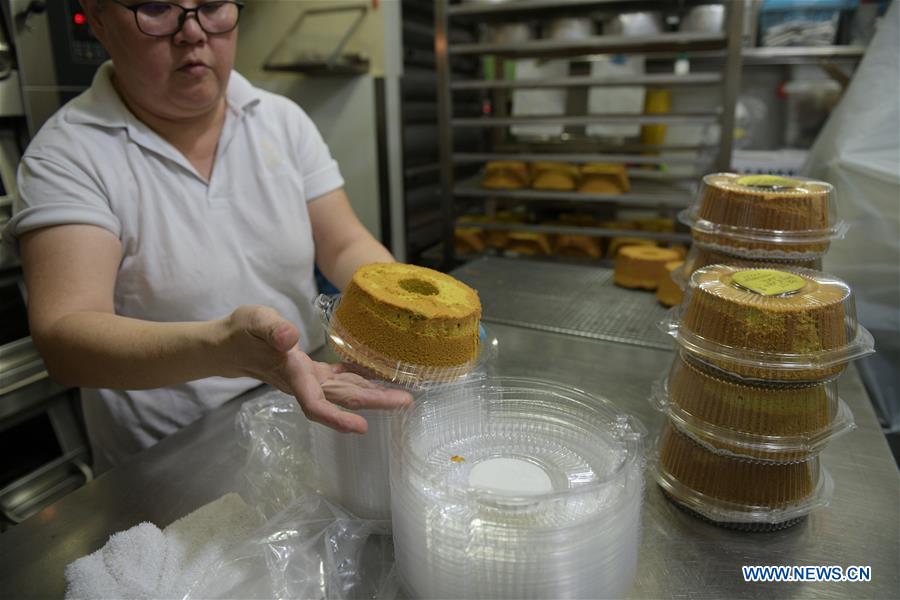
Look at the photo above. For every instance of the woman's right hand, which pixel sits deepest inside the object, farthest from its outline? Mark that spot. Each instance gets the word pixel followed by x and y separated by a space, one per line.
pixel 258 342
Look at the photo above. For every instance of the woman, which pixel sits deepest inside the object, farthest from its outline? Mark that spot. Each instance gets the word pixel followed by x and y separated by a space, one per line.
pixel 172 216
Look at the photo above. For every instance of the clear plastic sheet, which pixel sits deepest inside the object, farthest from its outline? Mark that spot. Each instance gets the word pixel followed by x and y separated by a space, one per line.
pixel 308 547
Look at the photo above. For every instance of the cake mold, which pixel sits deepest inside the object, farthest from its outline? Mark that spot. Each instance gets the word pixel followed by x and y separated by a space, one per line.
pixel 738 492
pixel 765 216
pixel 769 422
pixel 769 325
pixel 568 523
pixel 377 365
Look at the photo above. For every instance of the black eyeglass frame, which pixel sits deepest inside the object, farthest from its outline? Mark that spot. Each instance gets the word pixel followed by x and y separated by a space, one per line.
pixel 134 8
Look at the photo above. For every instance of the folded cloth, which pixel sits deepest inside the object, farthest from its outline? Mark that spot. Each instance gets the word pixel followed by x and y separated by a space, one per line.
pixel 146 562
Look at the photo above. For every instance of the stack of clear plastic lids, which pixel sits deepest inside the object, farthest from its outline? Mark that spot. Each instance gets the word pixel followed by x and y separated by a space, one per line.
pixel 753 391
pixel 353 469
pixel 516 488
pixel 764 217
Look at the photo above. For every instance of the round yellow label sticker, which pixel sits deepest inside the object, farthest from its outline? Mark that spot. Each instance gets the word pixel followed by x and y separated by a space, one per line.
pixel 769 181
pixel 769 282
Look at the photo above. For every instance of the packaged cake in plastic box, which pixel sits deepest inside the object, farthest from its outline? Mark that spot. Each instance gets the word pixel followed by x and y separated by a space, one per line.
pixel 769 324
pixel 764 216
pixel 738 493
pixel 765 421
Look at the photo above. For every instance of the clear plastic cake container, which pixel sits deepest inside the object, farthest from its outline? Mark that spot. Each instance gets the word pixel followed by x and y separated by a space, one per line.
pixel 376 365
pixel 516 488
pixel 738 493
pixel 701 255
pixel 353 469
pixel 772 422
pixel 765 216
pixel 769 325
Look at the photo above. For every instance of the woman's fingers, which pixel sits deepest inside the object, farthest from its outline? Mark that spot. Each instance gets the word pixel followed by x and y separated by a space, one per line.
pixel 352 391
pixel 305 386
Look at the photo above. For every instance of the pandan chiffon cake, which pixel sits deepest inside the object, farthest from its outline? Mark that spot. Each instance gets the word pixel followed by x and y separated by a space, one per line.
pixel 765 203
pixel 719 410
pixel 741 482
pixel 398 313
pixel 783 330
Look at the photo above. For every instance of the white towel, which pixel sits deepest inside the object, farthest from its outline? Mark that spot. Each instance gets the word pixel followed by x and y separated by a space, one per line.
pixel 146 562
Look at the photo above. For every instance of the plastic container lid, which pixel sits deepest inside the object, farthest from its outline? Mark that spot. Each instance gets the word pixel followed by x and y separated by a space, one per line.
pixel 779 423
pixel 764 216
pixel 701 255
pixel 376 365
pixel 733 492
pixel 770 325
pixel 516 488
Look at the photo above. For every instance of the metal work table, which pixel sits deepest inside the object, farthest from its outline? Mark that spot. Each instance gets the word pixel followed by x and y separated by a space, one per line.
pixel 680 555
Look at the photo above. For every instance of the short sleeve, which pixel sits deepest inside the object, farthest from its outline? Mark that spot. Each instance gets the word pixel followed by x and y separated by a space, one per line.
pixel 54 191
pixel 320 171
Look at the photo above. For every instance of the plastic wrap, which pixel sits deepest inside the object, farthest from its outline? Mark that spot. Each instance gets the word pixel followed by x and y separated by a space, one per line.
pixel 858 151
pixel 308 547
pixel 770 325
pixel 516 488
pixel 779 423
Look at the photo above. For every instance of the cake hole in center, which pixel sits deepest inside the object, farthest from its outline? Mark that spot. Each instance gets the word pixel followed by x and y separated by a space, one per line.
pixel 418 286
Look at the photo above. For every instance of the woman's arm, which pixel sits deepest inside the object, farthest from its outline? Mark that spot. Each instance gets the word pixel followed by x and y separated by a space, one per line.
pixel 343 244
pixel 70 274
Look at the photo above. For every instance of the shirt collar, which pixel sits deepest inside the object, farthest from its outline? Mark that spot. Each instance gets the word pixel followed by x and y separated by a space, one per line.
pixel 101 104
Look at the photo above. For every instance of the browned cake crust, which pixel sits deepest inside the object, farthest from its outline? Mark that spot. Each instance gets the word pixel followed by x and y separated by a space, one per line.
pixel 641 266
pixel 668 293
pixel 584 246
pixel 408 314
pixel 708 399
pixel 742 482
pixel 505 175
pixel 767 203
pixel 802 323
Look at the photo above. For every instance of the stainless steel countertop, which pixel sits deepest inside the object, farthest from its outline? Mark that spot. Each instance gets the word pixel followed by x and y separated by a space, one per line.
pixel 680 556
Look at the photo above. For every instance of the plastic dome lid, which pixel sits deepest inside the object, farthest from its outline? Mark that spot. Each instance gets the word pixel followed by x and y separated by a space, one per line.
pixel 376 365
pixel 773 422
pixel 765 214
pixel 580 442
pixel 769 324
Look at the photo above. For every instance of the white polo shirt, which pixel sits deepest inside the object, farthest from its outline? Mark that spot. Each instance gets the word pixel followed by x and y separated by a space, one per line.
pixel 193 250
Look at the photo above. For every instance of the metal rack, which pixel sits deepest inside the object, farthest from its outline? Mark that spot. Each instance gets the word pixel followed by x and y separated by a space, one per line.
pixel 649 189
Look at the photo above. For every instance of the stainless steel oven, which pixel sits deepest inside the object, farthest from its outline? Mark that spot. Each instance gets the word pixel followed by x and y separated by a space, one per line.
pixel 56 51
pixel 47 56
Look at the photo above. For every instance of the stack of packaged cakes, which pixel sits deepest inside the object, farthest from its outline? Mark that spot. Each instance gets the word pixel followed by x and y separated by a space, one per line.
pixel 755 220
pixel 751 397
